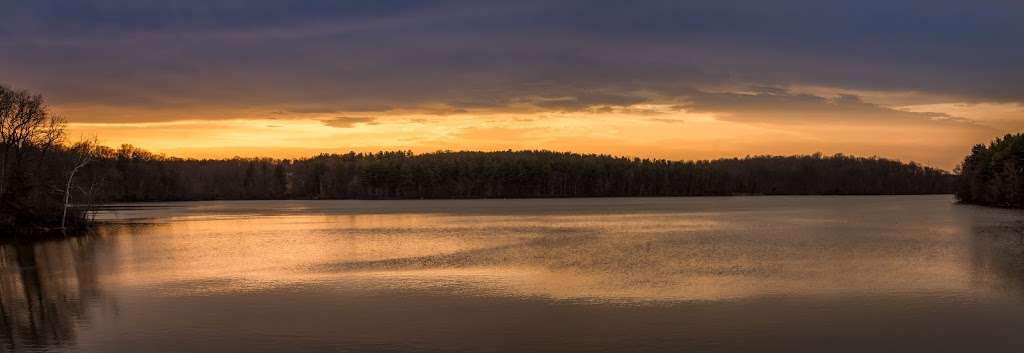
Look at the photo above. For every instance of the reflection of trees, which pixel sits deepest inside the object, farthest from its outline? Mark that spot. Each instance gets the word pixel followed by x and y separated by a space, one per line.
pixel 45 289
pixel 997 253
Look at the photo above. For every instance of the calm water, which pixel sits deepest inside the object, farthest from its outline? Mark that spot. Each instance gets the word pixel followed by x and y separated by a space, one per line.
pixel 759 274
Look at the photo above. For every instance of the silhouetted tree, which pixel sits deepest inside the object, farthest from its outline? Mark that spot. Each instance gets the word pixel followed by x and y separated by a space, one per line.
pixel 994 174
pixel 33 164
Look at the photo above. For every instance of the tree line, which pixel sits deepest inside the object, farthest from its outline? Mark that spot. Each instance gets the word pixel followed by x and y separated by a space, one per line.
pixel 47 182
pixel 131 174
pixel 993 175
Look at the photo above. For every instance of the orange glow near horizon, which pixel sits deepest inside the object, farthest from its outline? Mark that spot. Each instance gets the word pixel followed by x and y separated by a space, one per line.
pixel 650 133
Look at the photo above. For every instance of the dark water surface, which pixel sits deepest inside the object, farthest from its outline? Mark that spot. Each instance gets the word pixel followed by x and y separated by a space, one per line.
pixel 743 274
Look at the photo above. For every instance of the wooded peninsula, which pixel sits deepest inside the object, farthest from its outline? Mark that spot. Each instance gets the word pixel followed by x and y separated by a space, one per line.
pixel 993 175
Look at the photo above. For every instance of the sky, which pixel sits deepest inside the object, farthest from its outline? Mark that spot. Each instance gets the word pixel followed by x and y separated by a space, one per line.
pixel 915 80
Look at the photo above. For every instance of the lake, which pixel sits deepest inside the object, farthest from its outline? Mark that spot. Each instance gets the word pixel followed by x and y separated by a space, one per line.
pixel 733 274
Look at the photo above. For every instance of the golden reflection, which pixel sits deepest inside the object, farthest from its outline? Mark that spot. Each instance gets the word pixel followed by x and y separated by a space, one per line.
pixel 641 251
pixel 604 257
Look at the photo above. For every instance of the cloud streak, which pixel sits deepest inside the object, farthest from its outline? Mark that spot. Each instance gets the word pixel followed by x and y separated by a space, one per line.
pixel 345 122
pixel 780 106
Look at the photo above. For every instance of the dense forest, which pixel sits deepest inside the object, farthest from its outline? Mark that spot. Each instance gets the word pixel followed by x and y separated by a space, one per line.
pixel 994 175
pixel 48 183
pixel 131 174
pixel 37 166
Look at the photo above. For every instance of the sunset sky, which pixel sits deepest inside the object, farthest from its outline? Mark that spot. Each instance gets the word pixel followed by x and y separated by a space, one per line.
pixel 919 80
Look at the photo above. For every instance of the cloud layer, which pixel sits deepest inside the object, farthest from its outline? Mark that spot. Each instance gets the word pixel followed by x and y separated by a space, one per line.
pixel 566 55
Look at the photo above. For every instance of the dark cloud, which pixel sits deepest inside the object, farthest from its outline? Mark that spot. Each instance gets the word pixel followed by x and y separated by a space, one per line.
pixel 325 109
pixel 469 55
pixel 348 121
pixel 586 100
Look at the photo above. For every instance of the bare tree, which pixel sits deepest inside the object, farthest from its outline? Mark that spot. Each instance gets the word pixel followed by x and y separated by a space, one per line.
pixel 83 153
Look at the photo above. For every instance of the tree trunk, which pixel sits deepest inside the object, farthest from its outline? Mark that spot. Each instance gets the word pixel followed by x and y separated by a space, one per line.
pixel 67 194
